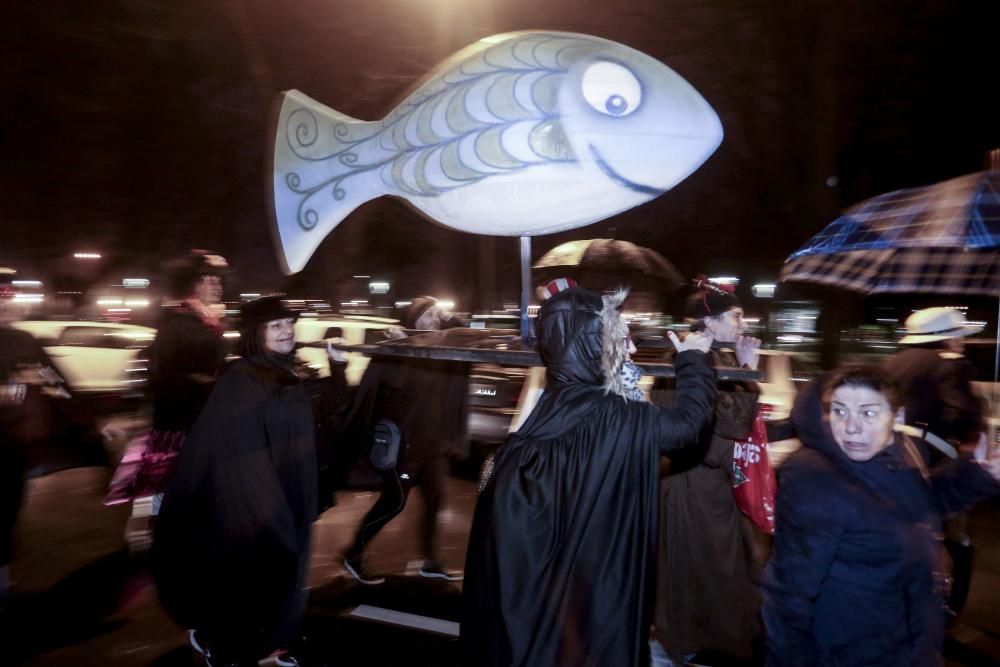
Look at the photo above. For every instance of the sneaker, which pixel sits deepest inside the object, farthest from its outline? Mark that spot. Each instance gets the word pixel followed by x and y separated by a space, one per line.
pixel 285 660
pixel 434 570
pixel 355 567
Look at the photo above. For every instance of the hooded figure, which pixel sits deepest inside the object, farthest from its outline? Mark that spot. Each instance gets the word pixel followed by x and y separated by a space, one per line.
pixel 855 577
pixel 561 552
pixel 231 547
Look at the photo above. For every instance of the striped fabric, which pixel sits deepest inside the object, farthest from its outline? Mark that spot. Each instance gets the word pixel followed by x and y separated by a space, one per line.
pixel 944 238
pixel 556 286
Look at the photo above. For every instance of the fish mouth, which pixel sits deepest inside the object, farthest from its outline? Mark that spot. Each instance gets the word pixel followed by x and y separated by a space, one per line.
pixel 621 180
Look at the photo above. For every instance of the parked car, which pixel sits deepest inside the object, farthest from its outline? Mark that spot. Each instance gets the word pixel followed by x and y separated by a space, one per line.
pixel 494 393
pixel 93 357
pixel 355 330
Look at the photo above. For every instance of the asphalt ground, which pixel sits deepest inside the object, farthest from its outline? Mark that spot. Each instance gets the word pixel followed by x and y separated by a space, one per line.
pixel 82 599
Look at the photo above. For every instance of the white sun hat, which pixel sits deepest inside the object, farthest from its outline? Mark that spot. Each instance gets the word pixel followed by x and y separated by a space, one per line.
pixel 933 324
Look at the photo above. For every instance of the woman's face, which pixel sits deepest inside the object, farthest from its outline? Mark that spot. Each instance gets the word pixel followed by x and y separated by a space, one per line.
pixel 861 420
pixel 209 290
pixel 726 327
pixel 279 335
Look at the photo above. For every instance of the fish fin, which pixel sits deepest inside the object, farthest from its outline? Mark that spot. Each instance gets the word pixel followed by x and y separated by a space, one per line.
pixel 317 181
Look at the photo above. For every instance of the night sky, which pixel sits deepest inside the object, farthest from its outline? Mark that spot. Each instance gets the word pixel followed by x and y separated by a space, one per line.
pixel 141 128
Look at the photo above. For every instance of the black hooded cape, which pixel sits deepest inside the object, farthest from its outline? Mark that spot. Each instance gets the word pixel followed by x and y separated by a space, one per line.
pixel 231 545
pixel 561 552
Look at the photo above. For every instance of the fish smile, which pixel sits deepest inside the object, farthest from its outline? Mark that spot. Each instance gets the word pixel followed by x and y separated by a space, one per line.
pixel 621 180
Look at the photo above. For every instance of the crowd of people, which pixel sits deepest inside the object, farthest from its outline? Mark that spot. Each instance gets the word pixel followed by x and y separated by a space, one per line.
pixel 606 532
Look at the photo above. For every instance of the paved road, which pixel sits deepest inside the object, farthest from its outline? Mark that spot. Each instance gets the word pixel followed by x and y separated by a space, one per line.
pixel 82 601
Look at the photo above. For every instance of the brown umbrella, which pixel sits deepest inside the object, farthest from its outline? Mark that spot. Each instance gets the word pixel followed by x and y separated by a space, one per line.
pixel 608 263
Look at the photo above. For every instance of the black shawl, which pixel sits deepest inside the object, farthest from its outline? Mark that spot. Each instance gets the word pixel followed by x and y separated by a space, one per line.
pixel 231 545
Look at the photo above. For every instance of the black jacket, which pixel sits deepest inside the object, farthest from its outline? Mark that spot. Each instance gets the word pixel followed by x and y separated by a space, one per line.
pixel 186 358
pixel 937 393
pixel 427 400
pixel 561 552
pixel 231 545
pixel 851 581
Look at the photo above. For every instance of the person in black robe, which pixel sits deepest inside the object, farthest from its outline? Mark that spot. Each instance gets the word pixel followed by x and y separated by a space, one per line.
pixel 231 547
pixel 22 424
pixel 561 553
pixel 185 360
pixel 40 432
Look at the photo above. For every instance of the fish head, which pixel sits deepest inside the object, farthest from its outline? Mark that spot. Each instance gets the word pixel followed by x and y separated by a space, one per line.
pixel 634 118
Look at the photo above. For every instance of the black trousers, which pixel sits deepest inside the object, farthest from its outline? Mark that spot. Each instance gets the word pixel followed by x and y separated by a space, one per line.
pixel 12 471
pixel 431 475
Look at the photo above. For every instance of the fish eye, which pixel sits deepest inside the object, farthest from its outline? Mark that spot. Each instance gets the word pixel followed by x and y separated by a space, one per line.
pixel 611 89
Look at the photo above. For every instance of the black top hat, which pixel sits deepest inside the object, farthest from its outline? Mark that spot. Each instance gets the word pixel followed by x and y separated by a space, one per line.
pixel 263 310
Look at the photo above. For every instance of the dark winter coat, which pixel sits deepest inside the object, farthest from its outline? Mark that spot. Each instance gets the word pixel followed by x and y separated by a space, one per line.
pixel 936 387
pixel 231 545
pixel 851 580
pixel 706 594
pixel 24 424
pixel 561 553
pixel 43 428
pixel 186 358
pixel 427 400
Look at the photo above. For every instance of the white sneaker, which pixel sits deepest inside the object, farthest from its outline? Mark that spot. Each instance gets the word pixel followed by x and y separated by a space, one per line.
pixel 435 570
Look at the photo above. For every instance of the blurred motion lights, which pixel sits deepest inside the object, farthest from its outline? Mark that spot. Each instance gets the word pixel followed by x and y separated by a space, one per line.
pixel 763 290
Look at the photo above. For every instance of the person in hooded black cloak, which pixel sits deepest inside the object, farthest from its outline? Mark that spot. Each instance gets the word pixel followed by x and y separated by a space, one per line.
pixel 561 552
pixel 231 547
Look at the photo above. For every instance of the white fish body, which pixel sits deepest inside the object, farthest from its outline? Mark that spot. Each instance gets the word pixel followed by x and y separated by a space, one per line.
pixel 517 135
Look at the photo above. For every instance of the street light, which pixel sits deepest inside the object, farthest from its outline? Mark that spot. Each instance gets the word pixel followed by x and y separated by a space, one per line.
pixel 86 255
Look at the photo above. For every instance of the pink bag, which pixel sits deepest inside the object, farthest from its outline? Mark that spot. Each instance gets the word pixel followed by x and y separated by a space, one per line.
pixel 754 484
pixel 144 468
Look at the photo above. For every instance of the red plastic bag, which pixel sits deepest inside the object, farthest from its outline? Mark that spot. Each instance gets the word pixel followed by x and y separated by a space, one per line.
pixel 754 484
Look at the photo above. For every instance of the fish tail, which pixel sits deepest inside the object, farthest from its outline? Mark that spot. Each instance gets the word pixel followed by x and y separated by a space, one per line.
pixel 318 175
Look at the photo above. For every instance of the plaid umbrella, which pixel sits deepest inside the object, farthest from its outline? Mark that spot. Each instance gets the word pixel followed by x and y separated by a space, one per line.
pixel 942 239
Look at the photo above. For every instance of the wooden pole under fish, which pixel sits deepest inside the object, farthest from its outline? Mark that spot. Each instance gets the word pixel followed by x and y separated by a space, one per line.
pixel 526 333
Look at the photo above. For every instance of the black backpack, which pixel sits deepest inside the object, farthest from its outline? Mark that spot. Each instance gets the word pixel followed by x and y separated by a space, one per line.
pixel 385 445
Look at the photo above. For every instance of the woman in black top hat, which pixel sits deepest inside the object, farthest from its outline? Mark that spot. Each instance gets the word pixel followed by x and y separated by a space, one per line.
pixel 231 547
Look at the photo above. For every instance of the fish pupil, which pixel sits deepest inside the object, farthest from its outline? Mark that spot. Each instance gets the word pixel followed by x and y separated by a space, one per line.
pixel 616 105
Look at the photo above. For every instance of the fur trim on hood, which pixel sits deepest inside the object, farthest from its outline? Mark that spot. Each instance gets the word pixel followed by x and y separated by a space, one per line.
pixel 614 352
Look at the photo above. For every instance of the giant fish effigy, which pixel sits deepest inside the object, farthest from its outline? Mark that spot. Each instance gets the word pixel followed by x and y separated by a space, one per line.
pixel 519 134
